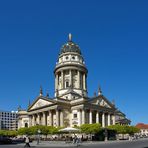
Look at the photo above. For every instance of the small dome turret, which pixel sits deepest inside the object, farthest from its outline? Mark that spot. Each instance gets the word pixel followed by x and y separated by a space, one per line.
pixel 70 46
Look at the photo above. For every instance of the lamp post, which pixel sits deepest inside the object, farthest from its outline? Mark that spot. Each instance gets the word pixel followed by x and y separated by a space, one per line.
pixel 106 134
pixel 38 139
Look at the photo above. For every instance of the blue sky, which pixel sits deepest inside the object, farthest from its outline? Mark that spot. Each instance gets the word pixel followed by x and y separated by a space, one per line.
pixel 112 35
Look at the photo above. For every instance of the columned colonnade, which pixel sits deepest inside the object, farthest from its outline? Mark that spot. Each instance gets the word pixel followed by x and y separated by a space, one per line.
pixel 48 118
pixel 94 116
pixel 55 117
pixel 81 79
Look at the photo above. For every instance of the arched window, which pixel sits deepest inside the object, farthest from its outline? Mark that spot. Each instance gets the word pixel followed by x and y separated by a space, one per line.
pixel 26 124
pixel 67 84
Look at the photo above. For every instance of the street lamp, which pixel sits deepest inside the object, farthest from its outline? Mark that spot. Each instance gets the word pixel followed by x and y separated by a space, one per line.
pixel 38 139
pixel 106 134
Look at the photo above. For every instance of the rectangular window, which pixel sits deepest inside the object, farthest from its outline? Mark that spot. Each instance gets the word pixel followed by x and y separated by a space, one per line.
pixel 74 115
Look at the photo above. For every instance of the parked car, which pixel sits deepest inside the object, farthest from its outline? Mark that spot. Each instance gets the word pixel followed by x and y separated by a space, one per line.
pixel 18 140
pixel 5 140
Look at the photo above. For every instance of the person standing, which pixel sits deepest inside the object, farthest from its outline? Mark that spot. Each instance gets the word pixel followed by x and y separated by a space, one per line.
pixel 27 142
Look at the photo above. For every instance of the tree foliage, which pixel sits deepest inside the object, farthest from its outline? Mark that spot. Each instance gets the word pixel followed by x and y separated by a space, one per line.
pixel 124 129
pixel 90 128
pixel 132 129
pixel 8 133
pixel 45 130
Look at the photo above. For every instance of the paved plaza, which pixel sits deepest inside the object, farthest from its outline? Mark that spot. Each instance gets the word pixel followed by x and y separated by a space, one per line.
pixel 141 143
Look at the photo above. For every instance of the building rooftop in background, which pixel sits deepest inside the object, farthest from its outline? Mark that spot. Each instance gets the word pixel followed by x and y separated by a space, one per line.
pixel 142 126
pixel 143 129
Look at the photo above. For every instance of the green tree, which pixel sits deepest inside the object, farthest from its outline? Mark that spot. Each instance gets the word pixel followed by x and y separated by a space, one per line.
pixel 8 133
pixel 120 129
pixel 23 131
pixel 124 129
pixel 2 133
pixel 90 128
pixel 131 130
pixel 45 130
pixel 12 133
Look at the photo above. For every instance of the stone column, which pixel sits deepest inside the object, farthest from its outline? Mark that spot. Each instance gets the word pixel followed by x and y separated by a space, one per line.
pixel 83 116
pixel 70 80
pixel 57 117
pixel 78 79
pixel 85 82
pixel 33 120
pixel 84 86
pixel 56 82
pixel 103 119
pixel 108 119
pixel 97 117
pixel 113 118
pixel 79 117
pixel 38 119
pixel 61 119
pixel 50 118
pixel 90 117
pixel 44 119
pixel 62 79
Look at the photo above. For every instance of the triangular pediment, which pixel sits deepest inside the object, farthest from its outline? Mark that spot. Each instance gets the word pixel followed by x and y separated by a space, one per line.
pixel 71 94
pixel 101 101
pixel 40 102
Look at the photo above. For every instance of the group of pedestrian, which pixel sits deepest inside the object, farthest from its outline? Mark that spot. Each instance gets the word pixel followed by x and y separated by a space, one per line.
pixel 76 140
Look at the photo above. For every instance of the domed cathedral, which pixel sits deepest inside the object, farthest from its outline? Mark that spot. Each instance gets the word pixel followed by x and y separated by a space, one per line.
pixel 70 72
pixel 71 105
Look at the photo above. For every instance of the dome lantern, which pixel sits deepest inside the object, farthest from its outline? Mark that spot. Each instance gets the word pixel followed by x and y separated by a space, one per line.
pixel 70 46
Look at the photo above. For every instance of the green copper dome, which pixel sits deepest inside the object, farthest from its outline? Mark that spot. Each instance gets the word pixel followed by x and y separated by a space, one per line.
pixel 70 47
